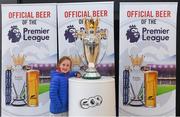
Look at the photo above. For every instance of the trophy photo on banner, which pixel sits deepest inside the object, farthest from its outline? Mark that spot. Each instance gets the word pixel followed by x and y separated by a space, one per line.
pixel 139 83
pixel 136 81
pixel 19 81
pixel 91 35
pixel 22 83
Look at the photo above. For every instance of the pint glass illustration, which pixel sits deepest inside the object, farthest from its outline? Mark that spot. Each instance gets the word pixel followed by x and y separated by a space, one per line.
pixel 150 82
pixel 32 79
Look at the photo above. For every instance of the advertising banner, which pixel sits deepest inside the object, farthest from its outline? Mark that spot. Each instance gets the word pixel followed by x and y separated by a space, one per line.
pixel 29 53
pixel 86 35
pixel 147 69
pixel 73 22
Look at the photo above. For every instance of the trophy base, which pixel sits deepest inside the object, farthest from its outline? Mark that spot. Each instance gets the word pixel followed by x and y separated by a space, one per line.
pixel 136 102
pixel 91 73
pixel 18 102
pixel 95 98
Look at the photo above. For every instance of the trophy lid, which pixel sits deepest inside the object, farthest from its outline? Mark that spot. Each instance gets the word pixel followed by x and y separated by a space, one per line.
pixel 19 59
pixel 91 24
pixel 137 60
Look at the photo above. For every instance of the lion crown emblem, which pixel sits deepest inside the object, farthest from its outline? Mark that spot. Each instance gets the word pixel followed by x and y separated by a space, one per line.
pixel 133 34
pixel 14 34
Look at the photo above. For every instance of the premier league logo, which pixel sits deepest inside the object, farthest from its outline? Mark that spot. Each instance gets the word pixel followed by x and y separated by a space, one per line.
pixel 14 34
pixel 133 34
pixel 70 34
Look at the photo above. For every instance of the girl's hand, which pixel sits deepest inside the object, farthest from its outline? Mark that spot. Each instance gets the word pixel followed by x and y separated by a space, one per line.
pixel 78 75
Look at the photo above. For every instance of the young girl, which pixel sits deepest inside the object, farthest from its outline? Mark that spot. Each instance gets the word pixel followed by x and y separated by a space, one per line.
pixel 59 85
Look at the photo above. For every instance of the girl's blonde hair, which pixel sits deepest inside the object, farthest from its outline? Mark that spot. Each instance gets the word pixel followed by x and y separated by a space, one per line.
pixel 62 59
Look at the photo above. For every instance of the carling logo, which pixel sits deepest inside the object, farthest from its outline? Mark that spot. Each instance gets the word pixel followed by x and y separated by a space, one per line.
pixel 14 34
pixel 133 34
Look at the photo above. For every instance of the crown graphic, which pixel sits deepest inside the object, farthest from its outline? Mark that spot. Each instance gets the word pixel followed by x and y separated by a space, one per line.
pixel 137 61
pixel 132 26
pixel 91 24
pixel 14 27
pixel 70 26
pixel 18 60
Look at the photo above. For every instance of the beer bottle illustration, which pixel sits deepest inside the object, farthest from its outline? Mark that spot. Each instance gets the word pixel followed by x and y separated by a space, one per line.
pixel 8 90
pixel 125 86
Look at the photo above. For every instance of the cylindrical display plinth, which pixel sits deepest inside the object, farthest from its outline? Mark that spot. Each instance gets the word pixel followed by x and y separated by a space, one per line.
pixel 92 97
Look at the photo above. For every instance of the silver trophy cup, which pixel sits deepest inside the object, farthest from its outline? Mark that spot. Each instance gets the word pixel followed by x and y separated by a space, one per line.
pixel 91 38
pixel 136 81
pixel 19 96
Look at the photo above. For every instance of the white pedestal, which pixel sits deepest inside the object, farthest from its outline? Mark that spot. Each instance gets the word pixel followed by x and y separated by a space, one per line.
pixel 92 97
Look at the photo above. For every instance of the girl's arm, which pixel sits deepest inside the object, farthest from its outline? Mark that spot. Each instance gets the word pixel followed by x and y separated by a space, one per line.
pixel 74 74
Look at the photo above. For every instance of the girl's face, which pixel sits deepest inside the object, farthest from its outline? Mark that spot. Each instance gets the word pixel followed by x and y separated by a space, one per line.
pixel 65 66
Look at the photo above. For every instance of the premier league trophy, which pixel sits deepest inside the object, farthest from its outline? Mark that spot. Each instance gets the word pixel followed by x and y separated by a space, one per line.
pixel 19 81
pixel 136 81
pixel 91 37
pixel 91 44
